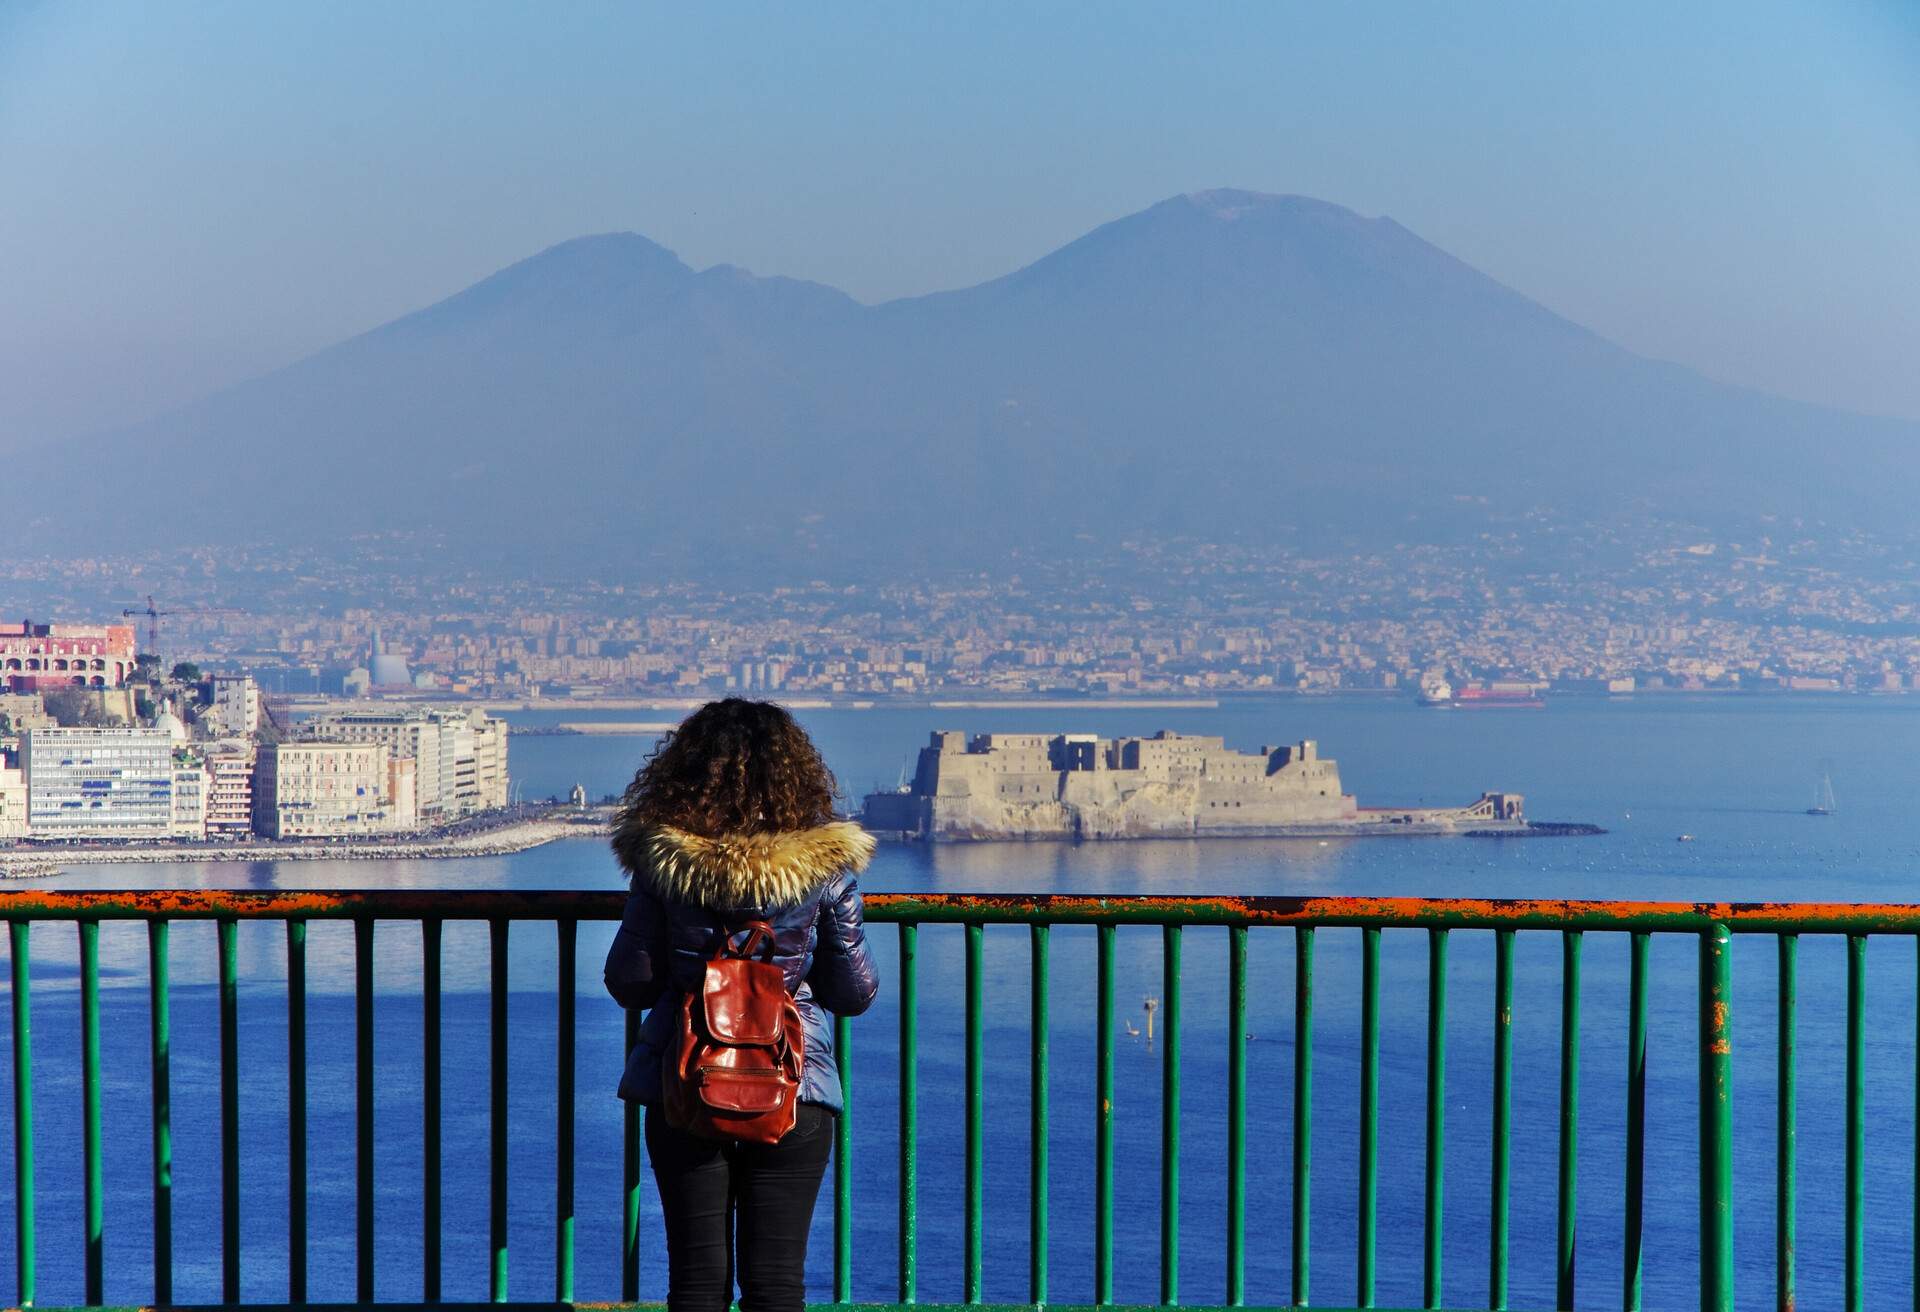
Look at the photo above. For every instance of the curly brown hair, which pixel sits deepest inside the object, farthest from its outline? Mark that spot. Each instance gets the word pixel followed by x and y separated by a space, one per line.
pixel 732 767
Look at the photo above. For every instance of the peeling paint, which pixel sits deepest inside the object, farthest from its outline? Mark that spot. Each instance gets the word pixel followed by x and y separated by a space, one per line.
pixel 1046 908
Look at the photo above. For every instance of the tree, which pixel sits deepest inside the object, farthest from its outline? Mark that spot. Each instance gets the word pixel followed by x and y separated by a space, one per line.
pixel 185 672
pixel 146 667
pixel 75 708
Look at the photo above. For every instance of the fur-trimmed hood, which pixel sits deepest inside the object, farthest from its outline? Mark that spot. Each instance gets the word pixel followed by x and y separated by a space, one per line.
pixel 742 870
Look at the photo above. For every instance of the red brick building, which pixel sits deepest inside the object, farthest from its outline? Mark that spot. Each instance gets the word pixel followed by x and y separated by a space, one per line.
pixel 42 657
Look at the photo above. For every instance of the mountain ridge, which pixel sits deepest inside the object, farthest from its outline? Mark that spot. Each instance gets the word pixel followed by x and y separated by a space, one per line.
pixel 1223 363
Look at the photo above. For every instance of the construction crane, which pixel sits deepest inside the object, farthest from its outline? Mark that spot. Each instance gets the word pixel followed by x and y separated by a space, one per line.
pixel 153 613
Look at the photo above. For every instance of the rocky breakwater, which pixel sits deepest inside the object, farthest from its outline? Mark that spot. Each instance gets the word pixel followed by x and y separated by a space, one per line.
pixel 38 862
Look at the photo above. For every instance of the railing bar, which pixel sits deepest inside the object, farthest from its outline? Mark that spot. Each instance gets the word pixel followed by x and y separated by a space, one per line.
pixel 296 1112
pixel 228 935
pixel 363 1106
pixel 1103 1124
pixel 1570 943
pixel 1634 1266
pixel 24 1239
pixel 430 1267
pixel 1369 1192
pixel 497 1114
pixel 1038 1193
pixel 93 1188
pixel 563 1133
pixel 909 1113
pixel 1237 1116
pixel 1436 1113
pixel 1786 1141
pixel 843 1165
pixel 1170 1117
pixel 1302 1111
pixel 160 1031
pixel 1499 1231
pixel 975 1127
pixel 630 1181
pixel 1856 1259
pixel 1716 1122
pixel 1769 919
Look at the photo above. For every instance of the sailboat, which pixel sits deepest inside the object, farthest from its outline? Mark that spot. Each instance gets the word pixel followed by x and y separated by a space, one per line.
pixel 1823 797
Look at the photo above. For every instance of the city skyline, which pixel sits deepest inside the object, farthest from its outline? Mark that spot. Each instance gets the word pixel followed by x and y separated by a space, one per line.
pixel 1657 606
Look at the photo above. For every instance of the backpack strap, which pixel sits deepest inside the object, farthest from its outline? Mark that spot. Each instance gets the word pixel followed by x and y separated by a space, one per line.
pixel 759 939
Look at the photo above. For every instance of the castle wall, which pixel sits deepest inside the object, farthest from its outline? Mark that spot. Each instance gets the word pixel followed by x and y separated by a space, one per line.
pixel 1037 786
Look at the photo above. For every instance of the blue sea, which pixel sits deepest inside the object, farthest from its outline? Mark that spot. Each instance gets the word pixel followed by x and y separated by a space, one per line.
pixel 1736 774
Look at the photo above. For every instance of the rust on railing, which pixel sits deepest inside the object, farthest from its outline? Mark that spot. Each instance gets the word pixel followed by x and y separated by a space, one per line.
pixel 1011 908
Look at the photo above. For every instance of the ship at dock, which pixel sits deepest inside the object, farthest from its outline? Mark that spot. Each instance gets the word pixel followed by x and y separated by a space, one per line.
pixel 999 786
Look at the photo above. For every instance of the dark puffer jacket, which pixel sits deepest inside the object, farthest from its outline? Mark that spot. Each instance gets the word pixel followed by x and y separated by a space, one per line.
pixel 689 891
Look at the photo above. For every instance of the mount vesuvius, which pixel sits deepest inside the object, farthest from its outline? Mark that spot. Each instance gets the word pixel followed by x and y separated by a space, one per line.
pixel 1223 365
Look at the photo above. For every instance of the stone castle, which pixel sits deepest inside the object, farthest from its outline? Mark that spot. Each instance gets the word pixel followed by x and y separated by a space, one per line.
pixel 1080 786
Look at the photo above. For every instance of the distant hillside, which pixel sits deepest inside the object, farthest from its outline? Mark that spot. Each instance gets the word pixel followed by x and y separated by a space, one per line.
pixel 1224 365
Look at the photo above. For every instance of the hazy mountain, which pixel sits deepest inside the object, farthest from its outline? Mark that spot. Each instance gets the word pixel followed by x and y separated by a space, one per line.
pixel 1223 364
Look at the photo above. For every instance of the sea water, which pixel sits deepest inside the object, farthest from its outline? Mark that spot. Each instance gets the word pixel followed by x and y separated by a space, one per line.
pixel 1736 774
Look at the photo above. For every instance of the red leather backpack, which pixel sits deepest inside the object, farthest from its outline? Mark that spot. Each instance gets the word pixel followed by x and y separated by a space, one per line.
pixel 735 1067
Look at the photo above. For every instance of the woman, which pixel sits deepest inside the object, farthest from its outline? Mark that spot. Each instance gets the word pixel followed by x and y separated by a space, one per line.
pixel 731 821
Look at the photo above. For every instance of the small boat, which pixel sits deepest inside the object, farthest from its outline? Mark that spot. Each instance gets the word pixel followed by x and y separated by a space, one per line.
pixel 1684 838
pixel 1133 1029
pixel 1822 797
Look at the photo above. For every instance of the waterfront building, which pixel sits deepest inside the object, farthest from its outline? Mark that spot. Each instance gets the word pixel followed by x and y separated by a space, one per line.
pixel 189 809
pixel 322 790
pixel 13 802
pixel 461 754
pixel 39 657
pixel 98 783
pixel 403 792
pixel 230 789
pixel 479 745
pixel 235 709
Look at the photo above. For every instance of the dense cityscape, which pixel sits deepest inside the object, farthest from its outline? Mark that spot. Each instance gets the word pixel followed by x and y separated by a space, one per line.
pixel 1660 609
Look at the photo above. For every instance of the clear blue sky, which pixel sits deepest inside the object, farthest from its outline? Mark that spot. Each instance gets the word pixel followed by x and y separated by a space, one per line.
pixel 193 192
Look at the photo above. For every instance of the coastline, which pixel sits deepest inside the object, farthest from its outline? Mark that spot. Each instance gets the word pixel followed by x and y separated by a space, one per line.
pixel 33 863
pixel 1370 829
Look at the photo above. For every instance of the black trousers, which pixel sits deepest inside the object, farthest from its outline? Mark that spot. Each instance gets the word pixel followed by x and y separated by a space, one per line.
pixel 752 1199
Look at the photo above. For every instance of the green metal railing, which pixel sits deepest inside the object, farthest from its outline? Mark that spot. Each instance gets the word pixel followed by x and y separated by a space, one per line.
pixel 1711 925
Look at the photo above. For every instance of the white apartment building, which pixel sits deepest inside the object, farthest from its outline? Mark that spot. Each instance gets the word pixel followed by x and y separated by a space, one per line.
pixel 13 803
pixel 189 815
pixel 236 705
pixel 230 790
pixel 460 755
pixel 98 783
pixel 322 790
pixel 403 792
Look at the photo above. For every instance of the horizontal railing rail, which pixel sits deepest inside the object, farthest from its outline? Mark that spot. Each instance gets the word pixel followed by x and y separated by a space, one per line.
pixel 1712 924
pixel 996 908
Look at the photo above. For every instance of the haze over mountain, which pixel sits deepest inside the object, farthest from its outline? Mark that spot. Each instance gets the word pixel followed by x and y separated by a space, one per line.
pixel 1223 365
